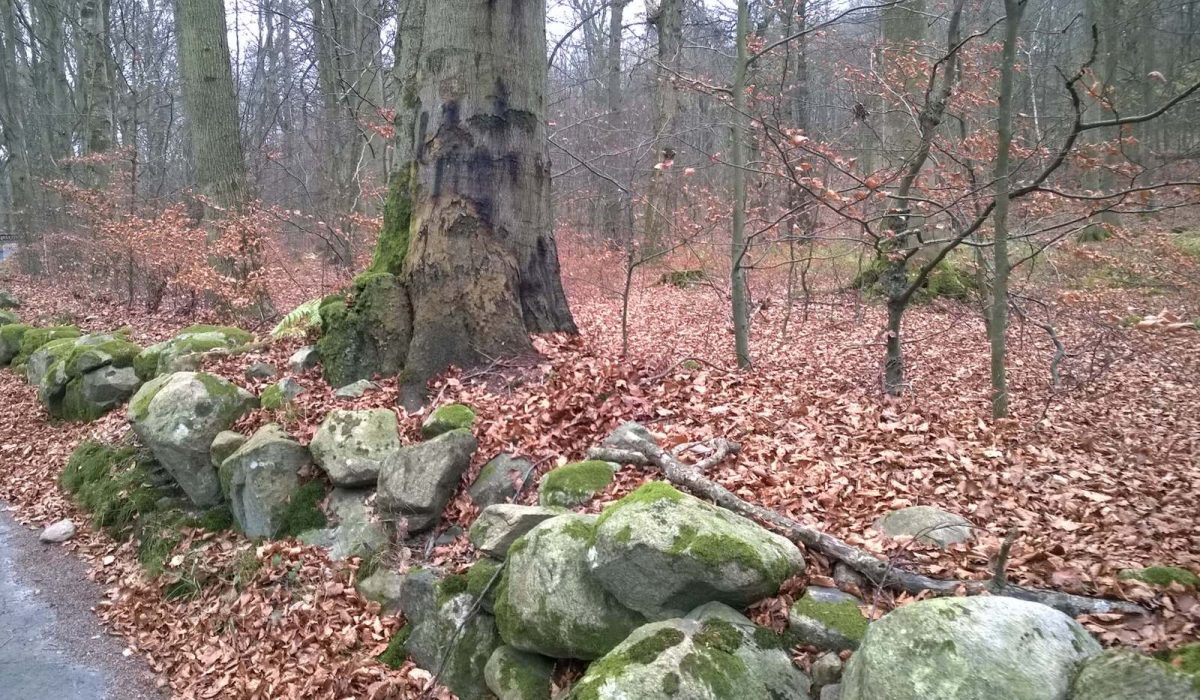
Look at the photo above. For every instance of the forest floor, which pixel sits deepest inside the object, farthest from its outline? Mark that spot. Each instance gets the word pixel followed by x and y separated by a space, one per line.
pixel 1097 474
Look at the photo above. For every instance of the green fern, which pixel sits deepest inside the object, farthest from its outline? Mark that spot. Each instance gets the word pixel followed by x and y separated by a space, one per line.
pixel 300 319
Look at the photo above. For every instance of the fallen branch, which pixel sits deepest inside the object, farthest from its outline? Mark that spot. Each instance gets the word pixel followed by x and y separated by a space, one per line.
pixel 631 449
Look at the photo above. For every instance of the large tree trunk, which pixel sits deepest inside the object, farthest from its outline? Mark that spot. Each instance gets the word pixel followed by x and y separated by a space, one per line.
pixel 210 102
pixel 96 84
pixel 14 137
pixel 481 266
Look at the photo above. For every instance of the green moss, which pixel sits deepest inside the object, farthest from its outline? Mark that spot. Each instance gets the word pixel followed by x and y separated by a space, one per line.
pixel 480 575
pixel 525 676
pixel 396 652
pixel 158 535
pixel 139 407
pixel 449 587
pixel 1163 576
pixel 719 634
pixel 770 639
pixel 718 551
pixel 455 416
pixel 303 511
pixel 392 246
pixel 10 340
pixel 115 352
pixel 580 530
pixel 34 338
pixel 573 484
pixel 649 492
pixel 1185 659
pixel 272 398
pixel 110 483
pixel 843 616
pixel 682 278
pixel 613 665
pixel 949 280
pixel 670 684
pixel 1189 243
pixel 366 331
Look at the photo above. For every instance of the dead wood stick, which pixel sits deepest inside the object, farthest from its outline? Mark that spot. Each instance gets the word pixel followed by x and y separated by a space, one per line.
pixel 634 450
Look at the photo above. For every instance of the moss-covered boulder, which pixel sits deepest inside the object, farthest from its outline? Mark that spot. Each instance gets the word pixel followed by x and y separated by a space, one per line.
pixel 662 553
pixel 513 674
pixel 352 446
pixel 1163 576
pixel 33 339
pixel 178 416
pixel 454 632
pixel 575 484
pixel 926 524
pixel 182 351
pixel 443 419
pixel 264 475
pixel 1185 658
pixel 713 653
pixel 1126 675
pixel 8 300
pixel 827 619
pixel 499 480
pixel 83 378
pixel 366 331
pixel 383 587
pixel 416 482
pixel 280 394
pixel 499 526
pixel 10 341
pixel 550 604
pixel 969 648
pixel 7 317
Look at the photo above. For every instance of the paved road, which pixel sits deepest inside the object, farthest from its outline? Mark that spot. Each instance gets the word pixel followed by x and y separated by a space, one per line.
pixel 51 645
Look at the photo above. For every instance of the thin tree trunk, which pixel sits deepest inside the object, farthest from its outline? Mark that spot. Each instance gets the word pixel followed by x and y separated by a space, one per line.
pixel 738 247
pixel 96 84
pixel 613 200
pixel 661 194
pixel 998 325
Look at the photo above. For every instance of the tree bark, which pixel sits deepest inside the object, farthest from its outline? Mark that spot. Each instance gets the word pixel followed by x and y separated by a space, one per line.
pixel 210 102
pixel 998 325
pixel 481 266
pixel 613 199
pixel 738 247
pixel 661 190
pixel 96 84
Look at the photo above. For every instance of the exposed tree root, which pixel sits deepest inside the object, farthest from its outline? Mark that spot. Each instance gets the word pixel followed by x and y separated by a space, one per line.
pixel 630 449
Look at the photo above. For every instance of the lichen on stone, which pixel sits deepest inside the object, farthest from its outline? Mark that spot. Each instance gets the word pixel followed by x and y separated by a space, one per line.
pixel 576 483
pixel 842 616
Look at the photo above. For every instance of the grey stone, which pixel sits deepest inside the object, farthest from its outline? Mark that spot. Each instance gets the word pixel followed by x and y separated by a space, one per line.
pixel 513 674
pixel 184 351
pixel 549 604
pixel 263 476
pixel 827 619
pixel 355 389
pixel 443 419
pixel 661 552
pixel 577 483
pixel 627 430
pixel 261 370
pixel 845 576
pixel 224 444
pixel 178 416
pixel 383 587
pixel 977 648
pixel 8 300
pixel 474 638
pixel 448 536
pixel 1126 675
pixel 826 670
pixel 498 480
pixel 304 359
pixel 498 526
pixel 927 524
pixel 417 594
pixel 60 531
pixel 107 387
pixel 832 692
pixel 416 482
pixel 355 533
pixel 352 446
pixel 713 653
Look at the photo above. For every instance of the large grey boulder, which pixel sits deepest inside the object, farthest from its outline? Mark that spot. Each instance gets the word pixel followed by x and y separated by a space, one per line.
pixel 977 648
pixel 177 416
pixel 1126 675
pixel 416 482
pixel 263 476
pixel 105 388
pixel 499 480
pixel 82 378
pixel 548 602
pixel 355 532
pixel 224 444
pixel 714 653
pixel 662 553
pixel 352 446
pixel 304 359
pixel 513 674
pixel 927 524
pixel 383 587
pixel 827 619
pixel 498 526
pixel 184 350
pixel 458 640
